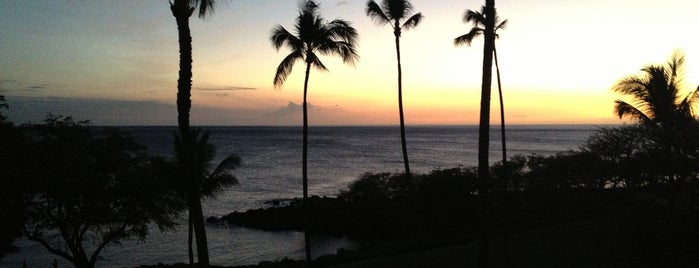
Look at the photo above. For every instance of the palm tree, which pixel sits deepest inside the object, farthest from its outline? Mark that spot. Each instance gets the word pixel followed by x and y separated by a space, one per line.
pixel 393 12
pixel 484 133
pixel 313 36
pixel 656 99
pixel 666 114
pixel 478 19
pixel 182 10
pixel 199 182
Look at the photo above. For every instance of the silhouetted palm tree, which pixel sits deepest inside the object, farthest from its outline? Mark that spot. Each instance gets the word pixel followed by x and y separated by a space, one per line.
pixel 478 19
pixel 656 99
pixel 393 12
pixel 484 133
pixel 313 36
pixel 182 10
pixel 199 181
pixel 659 105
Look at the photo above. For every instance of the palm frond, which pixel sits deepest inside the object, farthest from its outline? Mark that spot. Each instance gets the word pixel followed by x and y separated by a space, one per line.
pixel 501 26
pixel 468 37
pixel 315 62
pixel 230 163
pixel 342 30
pixel 285 67
pixel 624 109
pixel 206 7
pixel 412 22
pixel 477 17
pixel 345 50
pixel 374 11
pixel 281 36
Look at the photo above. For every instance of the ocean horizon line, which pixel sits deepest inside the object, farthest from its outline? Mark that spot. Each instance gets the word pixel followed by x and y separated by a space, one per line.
pixel 376 125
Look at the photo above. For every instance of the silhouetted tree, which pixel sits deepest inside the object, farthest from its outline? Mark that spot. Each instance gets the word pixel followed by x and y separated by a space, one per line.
pixel 182 10
pixel 394 12
pixel 478 19
pixel 313 36
pixel 12 186
pixel 484 132
pixel 89 188
pixel 658 104
pixel 656 96
pixel 200 181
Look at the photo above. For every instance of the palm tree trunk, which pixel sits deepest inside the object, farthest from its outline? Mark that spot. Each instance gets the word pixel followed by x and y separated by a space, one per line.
pixel 502 122
pixel 306 209
pixel 484 136
pixel 182 11
pixel 400 105
pixel 190 233
pixel 199 230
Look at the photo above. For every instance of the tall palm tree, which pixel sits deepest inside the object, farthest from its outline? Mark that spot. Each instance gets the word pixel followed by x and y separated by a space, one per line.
pixel 484 133
pixel 182 10
pixel 393 12
pixel 313 36
pixel 200 182
pixel 655 96
pixel 478 19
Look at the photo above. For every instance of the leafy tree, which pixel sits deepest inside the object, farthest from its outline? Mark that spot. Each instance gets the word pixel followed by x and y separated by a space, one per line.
pixel 90 188
pixel 394 12
pixel 182 10
pixel 478 19
pixel 313 36
pixel 200 182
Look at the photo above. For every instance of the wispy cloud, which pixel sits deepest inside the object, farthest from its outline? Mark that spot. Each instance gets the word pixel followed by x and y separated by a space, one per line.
pixel 342 3
pixel 225 88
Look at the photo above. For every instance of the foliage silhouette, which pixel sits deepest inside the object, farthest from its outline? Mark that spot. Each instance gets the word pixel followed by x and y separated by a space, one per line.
pixel 478 19
pixel 12 187
pixel 89 188
pixel 393 12
pixel 656 95
pixel 313 36
pixel 194 177
pixel 182 10
pixel 657 103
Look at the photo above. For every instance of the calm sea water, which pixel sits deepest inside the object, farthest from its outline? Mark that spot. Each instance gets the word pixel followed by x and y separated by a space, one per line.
pixel 271 169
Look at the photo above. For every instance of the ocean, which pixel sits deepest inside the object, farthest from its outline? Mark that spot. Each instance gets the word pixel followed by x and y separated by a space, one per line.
pixel 271 170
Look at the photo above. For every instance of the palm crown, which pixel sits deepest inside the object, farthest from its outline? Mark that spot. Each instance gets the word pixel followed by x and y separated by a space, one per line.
pixel 394 11
pixel 656 98
pixel 313 36
pixel 478 19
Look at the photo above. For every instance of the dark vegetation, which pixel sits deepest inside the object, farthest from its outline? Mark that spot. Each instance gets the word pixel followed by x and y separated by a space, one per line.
pixel 656 201
pixel 76 189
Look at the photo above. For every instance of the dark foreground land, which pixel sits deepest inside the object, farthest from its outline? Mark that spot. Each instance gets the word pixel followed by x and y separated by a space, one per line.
pixel 600 242
pixel 652 226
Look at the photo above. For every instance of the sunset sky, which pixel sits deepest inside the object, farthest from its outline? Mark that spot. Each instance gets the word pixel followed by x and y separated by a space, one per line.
pixel 116 62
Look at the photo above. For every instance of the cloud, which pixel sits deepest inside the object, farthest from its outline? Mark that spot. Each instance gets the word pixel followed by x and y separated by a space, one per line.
pixel 342 3
pixel 293 108
pixel 225 88
pixel 290 109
